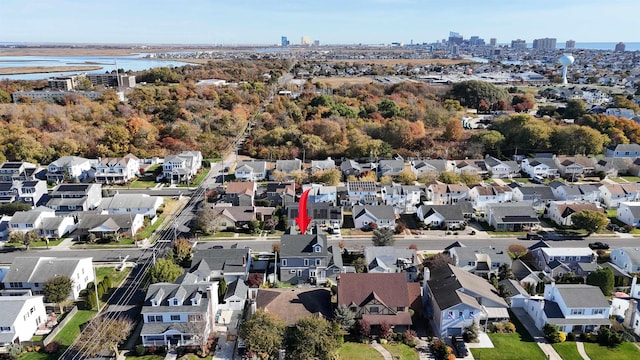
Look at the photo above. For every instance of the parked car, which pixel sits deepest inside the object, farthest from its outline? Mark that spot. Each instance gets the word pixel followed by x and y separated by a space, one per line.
pixel 459 347
pixel 598 245
pixel 534 236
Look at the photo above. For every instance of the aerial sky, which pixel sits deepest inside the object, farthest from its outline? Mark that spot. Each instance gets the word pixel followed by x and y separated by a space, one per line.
pixel 329 21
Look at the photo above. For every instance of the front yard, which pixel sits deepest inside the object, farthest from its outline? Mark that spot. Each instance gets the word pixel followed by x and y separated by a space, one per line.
pixel 357 351
pixel 519 345
pixel 568 350
pixel 401 351
pixel 626 351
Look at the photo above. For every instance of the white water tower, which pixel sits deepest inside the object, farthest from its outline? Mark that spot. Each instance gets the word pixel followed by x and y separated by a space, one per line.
pixel 566 60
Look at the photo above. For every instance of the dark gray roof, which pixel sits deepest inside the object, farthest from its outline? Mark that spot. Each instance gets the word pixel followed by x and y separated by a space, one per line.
pixel 449 212
pixel 302 245
pixel 446 281
pixel 377 211
pixel 288 165
pixel 236 288
pixel 228 260
pixel 542 192
pixel 185 292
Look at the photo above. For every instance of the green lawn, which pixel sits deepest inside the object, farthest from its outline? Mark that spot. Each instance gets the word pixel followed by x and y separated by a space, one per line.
pixel 356 351
pixel 631 178
pixel 70 332
pixel 401 351
pixel 567 350
pixel 116 276
pixel 198 178
pixel 626 351
pixel 510 347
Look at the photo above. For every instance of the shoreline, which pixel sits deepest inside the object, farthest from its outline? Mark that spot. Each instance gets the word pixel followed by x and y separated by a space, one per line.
pixel 45 69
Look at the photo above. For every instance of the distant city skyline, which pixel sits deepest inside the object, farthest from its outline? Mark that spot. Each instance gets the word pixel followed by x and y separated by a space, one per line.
pixel 330 21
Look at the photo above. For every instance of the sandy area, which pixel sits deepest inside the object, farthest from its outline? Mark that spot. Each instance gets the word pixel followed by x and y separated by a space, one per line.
pixel 45 69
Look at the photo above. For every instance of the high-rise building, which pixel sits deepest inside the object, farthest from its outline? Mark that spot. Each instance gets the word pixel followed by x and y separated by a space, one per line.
pixel 493 42
pixel 518 44
pixel 316 42
pixel 284 41
pixel 476 41
pixel 570 44
pixel 455 38
pixel 546 43
pixel 620 47
pixel 305 40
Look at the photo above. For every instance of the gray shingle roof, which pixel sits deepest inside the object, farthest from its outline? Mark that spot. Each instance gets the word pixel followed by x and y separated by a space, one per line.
pixel 39 269
pixel 302 245
pixel 582 296
pixel 377 211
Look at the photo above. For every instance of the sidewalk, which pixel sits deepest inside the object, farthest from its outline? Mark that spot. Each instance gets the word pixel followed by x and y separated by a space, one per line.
pixel 224 348
pixel 385 354
pixel 536 334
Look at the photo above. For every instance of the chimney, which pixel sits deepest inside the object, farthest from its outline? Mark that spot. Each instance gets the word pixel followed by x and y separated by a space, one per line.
pixel 244 260
pixel 427 274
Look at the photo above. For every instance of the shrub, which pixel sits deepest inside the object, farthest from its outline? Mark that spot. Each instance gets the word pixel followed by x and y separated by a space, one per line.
pixel 471 333
pixel 52 347
pixel 509 327
pixel 562 336
pixel 383 341
pixel 571 336
pixel 140 350
pixel 588 337
pixel 552 333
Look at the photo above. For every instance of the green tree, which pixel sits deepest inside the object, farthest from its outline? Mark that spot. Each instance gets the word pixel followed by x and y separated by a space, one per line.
pixel 452 105
pixel 222 289
pixel 103 334
pixel 551 332
pixel 388 109
pixel 576 139
pixel 313 338
pixel 383 237
pixel 602 278
pixel 12 208
pixel 407 177
pixel 449 177
pixel 5 97
pixel 490 140
pixel 58 289
pixel 263 334
pixel 590 221
pixel 574 109
pixel 360 264
pixel 92 300
pixel 165 270
pixel 344 316
pixel 471 92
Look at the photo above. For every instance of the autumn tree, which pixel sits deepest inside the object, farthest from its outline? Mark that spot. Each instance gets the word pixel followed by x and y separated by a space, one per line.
pixel 263 334
pixel 206 218
pixel 182 250
pixel 103 334
pixel 165 270
pixel 517 251
pixel 453 130
pixel 471 92
pixel 574 109
pixel 589 220
pixel 58 289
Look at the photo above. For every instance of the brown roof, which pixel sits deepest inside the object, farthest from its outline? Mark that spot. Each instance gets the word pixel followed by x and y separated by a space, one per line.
pixel 390 288
pixel 239 187
pixel 292 305
pixel 415 297
pixel 401 318
pixel 566 209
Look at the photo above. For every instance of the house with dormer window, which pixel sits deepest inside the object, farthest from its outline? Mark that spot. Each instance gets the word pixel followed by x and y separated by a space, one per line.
pixel 381 215
pixel 573 308
pixel 253 170
pixel 68 168
pixel 182 167
pixel 179 314
pixel 17 170
pixel 117 170
pixel 304 259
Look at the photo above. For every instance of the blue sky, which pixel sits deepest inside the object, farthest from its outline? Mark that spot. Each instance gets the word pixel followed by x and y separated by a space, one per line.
pixel 329 21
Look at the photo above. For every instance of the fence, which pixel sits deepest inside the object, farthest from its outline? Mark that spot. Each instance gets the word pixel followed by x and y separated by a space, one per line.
pixel 47 340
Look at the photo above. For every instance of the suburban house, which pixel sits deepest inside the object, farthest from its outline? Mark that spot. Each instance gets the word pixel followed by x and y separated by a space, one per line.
pixel 538 195
pixel 574 167
pixel 470 167
pixel 21 316
pixel 629 213
pixel 455 299
pixel 30 191
pixel 227 216
pixel 321 194
pixel 142 204
pixel 228 264
pixel 17 170
pixel 321 165
pixel 482 261
pixel 381 215
pixel 446 194
pixel 117 170
pixel 517 294
pixel 511 217
pixel 378 298
pixel 404 198
pixel 362 192
pixel 389 259
pixel 31 273
pixel 179 314
pixel 43 221
pixel 560 211
pixel 277 194
pixel 105 225
pixel 432 168
pixel 500 169
pixel 67 198
pixel 611 195
pixel 7 192
pixel 287 167
pixel 350 168
pixel 69 168
pixel 306 258
pixel 392 167
pixel 525 275
pixel 321 214
pixel 554 261
pixel 573 308
pixel 540 167
pixel 563 191
pixel 294 304
pixel 255 170
pixel 614 166
pixel 240 193
pixel 481 196
pixel 623 150
pixel 235 296
pixel 445 216
pixel 182 167
pixel 626 258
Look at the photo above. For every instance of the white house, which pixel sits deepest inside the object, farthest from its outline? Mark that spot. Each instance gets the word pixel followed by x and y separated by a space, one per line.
pixel 182 167
pixel 571 307
pixel 623 150
pixel 31 273
pixel 68 168
pixel 117 170
pixel 481 196
pixel 381 215
pixel 20 318
pixel 542 167
pixel 560 211
pixel 142 204
pixel 251 170
pixel 403 198
pixel 498 168
pixel 236 296
pixel 30 220
pixel 611 195
pixel 626 258
pixel 629 213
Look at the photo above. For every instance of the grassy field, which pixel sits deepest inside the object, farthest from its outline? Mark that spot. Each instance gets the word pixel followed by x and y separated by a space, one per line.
pixel 337 81
pixel 567 350
pixel 356 351
pixel 401 351
pixel 631 178
pixel 626 351
pixel 510 347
